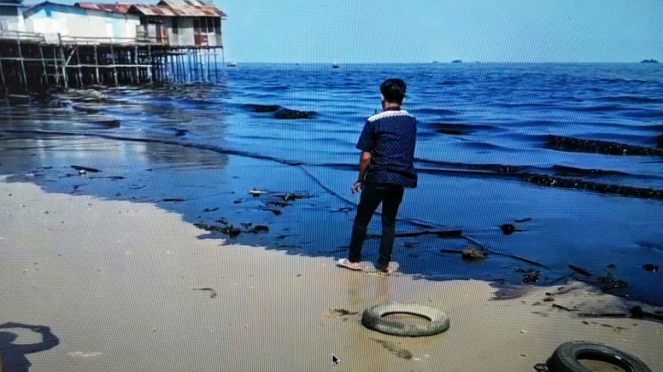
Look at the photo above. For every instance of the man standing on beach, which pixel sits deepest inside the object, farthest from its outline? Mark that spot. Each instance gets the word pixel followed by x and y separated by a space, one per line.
pixel 386 168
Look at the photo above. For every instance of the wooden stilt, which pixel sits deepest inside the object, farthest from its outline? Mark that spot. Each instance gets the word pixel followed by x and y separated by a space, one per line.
pixel 56 72
pixel 209 66
pixel 216 67
pixel 149 55
pixel 96 63
pixel 114 63
pixel 80 69
pixel 43 64
pixel 136 71
pixel 64 64
pixel 20 55
pixel 2 74
pixel 190 55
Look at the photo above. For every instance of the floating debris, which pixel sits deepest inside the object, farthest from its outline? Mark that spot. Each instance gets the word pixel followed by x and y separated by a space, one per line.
pixel 578 184
pixel 601 147
pixel 473 254
pixel 508 229
pixel 650 267
pixel 524 220
pixel 85 169
pixel 173 200
pixel 287 114
pixel 531 278
pixel 256 192
pixel 261 108
pixel 275 211
pixel 211 210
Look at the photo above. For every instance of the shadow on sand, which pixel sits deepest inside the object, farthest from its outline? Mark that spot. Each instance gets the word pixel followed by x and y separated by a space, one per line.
pixel 13 356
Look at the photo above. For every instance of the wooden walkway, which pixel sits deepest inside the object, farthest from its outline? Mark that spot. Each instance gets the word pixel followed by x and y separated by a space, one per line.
pixel 28 61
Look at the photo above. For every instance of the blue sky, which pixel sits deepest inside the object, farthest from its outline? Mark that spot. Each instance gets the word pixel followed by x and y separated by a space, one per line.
pixel 360 31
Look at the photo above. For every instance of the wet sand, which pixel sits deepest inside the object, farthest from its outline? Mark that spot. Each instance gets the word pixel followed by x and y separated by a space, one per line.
pixel 115 282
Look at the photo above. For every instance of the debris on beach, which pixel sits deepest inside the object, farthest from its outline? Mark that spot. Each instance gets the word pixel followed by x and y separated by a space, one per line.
pixel 438 233
pixel 212 291
pixel 650 267
pixel 580 271
pixel 343 209
pixel 473 254
pixel 85 169
pixel 229 230
pixel 561 290
pixel 638 313
pixel 558 306
pixel 532 277
pixel 401 353
pixel 609 283
pixel 338 312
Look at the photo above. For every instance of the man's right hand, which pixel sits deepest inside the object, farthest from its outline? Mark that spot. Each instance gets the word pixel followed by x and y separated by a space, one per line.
pixel 357 187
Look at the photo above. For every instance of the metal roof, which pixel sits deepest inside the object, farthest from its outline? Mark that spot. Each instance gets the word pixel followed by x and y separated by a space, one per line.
pixel 113 8
pixel 178 9
pixel 35 8
pixel 165 8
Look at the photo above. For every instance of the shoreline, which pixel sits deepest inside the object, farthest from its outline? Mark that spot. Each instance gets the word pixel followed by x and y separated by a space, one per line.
pixel 115 282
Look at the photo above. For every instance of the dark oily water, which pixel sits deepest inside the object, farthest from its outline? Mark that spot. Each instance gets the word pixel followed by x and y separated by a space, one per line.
pixel 498 143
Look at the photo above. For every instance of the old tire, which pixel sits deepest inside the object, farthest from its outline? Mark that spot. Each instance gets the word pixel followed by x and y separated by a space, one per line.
pixel 565 358
pixel 373 319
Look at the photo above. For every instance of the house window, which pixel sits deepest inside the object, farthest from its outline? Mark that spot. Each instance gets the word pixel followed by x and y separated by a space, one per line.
pixel 196 25
pixel 217 25
pixel 176 26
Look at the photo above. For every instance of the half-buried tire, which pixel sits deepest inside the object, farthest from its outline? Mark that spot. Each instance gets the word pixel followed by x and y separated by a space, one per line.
pixel 566 358
pixel 373 319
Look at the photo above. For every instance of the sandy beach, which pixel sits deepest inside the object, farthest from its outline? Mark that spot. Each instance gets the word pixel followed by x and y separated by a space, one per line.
pixel 115 282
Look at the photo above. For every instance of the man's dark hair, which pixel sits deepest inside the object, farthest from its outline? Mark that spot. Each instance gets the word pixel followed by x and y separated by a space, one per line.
pixel 393 90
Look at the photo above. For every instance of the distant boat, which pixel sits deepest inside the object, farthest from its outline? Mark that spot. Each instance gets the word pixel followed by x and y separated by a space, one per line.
pixel 649 61
pixel 335 65
pixel 232 64
pixel 456 61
